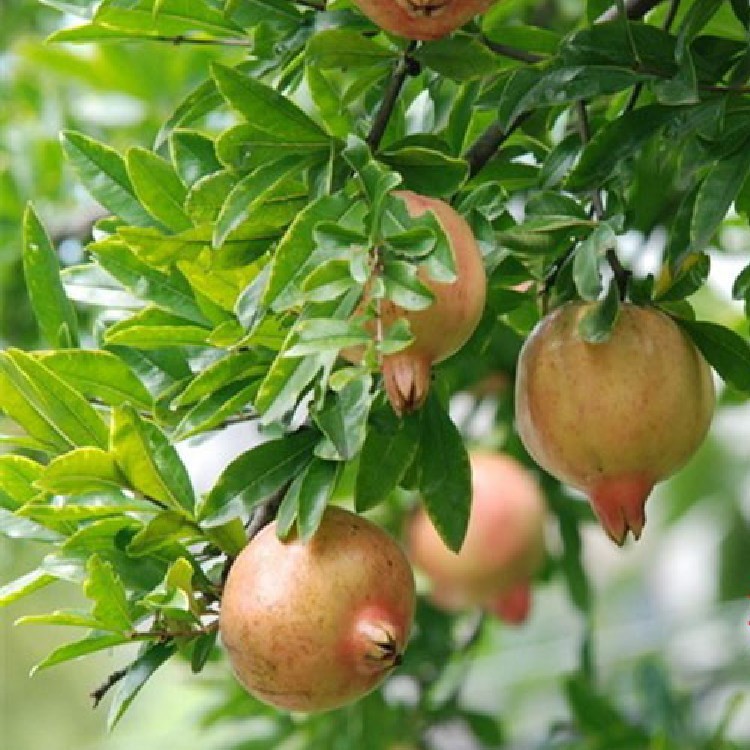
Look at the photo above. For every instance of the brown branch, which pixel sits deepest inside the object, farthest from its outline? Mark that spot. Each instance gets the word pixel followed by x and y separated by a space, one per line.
pixel 402 70
pixel 170 635
pixel 106 686
pixel 487 144
pixel 622 275
pixel 635 9
pixel 513 53
pixel 178 39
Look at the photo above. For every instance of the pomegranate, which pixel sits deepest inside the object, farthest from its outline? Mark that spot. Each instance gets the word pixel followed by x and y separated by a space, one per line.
pixel 312 626
pixel 444 327
pixel 613 418
pixel 422 19
pixel 503 547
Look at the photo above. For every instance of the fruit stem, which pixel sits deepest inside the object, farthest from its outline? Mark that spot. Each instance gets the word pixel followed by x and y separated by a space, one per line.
pixel 400 73
pixel 622 275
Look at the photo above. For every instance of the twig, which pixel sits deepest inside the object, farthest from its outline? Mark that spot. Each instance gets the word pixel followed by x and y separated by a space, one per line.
pixel 487 144
pixel 635 9
pixel 178 39
pixel 513 53
pixel 106 686
pixel 585 130
pixel 170 635
pixel 400 73
pixel 311 4
pixel 266 512
pixel 622 275
pixel 674 6
pixel 667 25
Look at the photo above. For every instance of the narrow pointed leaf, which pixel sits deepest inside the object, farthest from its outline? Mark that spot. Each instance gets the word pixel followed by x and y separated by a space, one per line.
pixel 53 311
pixel 446 475
pixel 150 462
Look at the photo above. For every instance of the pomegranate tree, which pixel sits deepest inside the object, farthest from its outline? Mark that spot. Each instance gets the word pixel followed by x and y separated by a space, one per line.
pixel 447 324
pixel 310 626
pixel 503 547
pixel 422 19
pixel 613 418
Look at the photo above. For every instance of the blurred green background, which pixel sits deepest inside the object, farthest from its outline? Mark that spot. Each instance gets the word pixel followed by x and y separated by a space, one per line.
pixel 676 603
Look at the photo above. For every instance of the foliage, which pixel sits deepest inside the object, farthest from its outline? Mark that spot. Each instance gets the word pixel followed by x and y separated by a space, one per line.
pixel 221 285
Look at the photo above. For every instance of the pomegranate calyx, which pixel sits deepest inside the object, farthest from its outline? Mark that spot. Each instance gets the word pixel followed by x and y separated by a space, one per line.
pixel 619 503
pixel 380 646
pixel 407 381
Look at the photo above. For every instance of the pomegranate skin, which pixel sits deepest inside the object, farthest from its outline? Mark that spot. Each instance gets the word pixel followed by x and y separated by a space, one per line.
pixel 614 418
pixel 443 328
pixel 313 626
pixel 422 19
pixel 503 547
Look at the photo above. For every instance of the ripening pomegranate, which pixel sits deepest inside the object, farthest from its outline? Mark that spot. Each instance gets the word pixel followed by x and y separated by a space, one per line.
pixel 503 547
pixel 614 418
pixel 444 327
pixel 422 19
pixel 312 626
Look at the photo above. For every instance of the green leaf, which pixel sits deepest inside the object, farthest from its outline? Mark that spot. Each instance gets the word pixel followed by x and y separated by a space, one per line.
pixel 212 411
pixel 519 36
pixel 726 351
pixel 53 310
pixel 616 141
pixel 250 193
pixel 445 482
pixel 89 645
pixel 266 108
pixel 586 274
pixel 61 409
pixel 158 188
pixel 286 380
pixel 98 375
pixel 343 419
pixel 235 366
pixel 163 529
pixel 690 275
pixel 328 281
pixel 460 56
pixel 320 335
pixel 203 648
pixel 388 451
pixel 173 598
pixel 154 329
pixel 403 286
pixel 193 155
pixel 105 589
pixel 67 617
pixel 597 324
pixel 314 494
pixel 298 244
pixel 426 170
pixel 18 476
pixel 341 48
pixel 102 171
pixel 81 471
pixel 25 585
pixel 563 85
pixel 247 146
pixel 137 675
pixel 150 462
pixel 716 194
pixel 173 18
pixel 168 290
pixel 255 475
